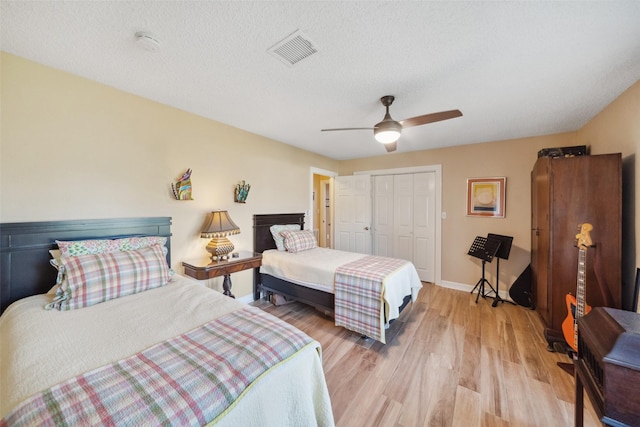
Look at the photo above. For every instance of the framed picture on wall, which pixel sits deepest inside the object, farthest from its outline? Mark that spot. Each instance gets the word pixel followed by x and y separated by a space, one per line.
pixel 486 196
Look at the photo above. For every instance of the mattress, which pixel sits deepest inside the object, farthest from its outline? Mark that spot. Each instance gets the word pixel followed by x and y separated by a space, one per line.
pixel 316 268
pixel 41 348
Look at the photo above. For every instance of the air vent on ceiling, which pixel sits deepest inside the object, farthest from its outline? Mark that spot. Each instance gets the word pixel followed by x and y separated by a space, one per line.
pixel 293 48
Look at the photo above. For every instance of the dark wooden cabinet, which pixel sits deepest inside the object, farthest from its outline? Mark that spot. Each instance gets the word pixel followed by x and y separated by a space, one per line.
pixel 567 192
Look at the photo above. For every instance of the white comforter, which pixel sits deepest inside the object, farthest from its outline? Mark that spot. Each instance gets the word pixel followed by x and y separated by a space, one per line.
pixel 316 269
pixel 41 348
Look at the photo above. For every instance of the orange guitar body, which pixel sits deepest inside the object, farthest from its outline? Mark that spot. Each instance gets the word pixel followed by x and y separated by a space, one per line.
pixel 568 325
pixel 577 306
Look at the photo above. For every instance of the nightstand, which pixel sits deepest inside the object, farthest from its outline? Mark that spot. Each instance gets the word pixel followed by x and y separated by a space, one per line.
pixel 204 268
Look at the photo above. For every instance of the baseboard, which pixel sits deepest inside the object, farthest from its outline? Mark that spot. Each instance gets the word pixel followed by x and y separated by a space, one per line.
pixel 247 299
pixel 468 288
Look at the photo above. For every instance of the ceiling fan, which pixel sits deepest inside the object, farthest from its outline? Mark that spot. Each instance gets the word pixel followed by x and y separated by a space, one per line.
pixel 388 130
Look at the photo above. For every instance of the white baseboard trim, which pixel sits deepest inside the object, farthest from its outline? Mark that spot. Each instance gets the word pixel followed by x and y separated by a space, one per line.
pixel 468 288
pixel 247 299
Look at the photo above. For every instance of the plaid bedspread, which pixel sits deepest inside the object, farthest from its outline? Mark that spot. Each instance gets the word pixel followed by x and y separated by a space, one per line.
pixel 187 380
pixel 359 294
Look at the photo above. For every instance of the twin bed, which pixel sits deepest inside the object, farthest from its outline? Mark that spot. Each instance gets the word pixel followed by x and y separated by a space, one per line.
pixel 364 293
pixel 172 353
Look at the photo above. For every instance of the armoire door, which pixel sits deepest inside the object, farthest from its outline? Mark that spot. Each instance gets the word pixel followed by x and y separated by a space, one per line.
pixel 540 238
pixel 567 192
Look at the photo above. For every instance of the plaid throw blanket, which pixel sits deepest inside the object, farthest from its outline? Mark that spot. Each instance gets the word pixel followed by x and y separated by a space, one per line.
pixel 187 380
pixel 359 294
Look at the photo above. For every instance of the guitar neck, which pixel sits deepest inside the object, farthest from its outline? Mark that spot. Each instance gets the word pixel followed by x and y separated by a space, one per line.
pixel 580 292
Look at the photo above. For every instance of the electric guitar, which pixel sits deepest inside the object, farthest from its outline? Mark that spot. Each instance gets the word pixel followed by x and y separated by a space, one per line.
pixel 576 306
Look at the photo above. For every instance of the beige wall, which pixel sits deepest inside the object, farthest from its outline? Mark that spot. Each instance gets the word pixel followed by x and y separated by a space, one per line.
pixel 75 149
pixel 617 129
pixel 513 159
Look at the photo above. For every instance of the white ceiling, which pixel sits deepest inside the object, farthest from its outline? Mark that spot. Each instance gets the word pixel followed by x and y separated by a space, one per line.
pixel 514 69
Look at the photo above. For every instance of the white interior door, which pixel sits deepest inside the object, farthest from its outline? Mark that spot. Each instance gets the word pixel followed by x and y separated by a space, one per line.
pixel 403 216
pixel 404 220
pixel 419 215
pixel 383 215
pixel 352 217
pixel 424 212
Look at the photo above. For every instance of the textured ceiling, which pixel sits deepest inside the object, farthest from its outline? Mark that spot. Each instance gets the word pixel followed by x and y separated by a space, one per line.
pixel 514 69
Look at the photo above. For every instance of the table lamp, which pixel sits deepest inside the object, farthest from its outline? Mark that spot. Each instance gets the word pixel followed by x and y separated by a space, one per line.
pixel 217 228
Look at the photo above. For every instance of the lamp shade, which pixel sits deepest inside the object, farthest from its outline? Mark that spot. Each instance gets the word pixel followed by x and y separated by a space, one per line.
pixel 217 228
pixel 219 224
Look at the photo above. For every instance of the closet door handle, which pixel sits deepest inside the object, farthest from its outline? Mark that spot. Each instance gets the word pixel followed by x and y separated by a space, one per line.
pixel 366 228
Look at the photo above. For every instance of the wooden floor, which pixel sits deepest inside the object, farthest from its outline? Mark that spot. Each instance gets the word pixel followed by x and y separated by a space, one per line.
pixel 448 362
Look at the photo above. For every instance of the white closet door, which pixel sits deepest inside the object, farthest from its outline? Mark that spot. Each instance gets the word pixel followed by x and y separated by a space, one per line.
pixel 424 225
pixel 353 213
pixel 403 216
pixel 383 215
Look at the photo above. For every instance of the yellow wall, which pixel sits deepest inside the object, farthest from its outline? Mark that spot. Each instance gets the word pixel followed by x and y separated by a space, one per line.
pixel 76 149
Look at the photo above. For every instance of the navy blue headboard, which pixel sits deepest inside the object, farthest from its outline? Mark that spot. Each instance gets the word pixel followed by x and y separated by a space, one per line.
pixel 24 249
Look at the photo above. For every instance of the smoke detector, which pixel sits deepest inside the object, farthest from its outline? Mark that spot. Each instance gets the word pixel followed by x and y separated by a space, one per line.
pixel 147 41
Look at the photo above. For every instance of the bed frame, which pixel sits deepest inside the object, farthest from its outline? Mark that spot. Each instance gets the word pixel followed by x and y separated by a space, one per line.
pixel 24 249
pixel 265 283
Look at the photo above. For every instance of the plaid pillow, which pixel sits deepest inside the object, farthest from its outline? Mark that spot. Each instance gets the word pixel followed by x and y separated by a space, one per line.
pixel 277 237
pixel 296 241
pixel 87 247
pixel 95 278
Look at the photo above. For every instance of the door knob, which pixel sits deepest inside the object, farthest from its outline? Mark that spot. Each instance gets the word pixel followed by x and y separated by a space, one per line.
pixel 366 228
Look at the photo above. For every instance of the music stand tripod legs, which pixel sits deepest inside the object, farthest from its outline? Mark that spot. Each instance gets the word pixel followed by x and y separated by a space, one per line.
pixel 497 298
pixel 480 286
pixel 484 249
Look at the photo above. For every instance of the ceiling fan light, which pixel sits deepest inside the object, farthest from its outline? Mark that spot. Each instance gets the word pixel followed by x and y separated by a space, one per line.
pixel 387 136
pixel 387 132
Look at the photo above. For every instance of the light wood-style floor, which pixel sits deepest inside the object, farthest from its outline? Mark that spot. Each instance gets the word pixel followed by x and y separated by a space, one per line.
pixel 448 362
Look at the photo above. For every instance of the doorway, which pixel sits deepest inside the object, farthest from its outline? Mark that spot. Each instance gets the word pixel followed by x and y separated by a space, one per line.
pixel 320 213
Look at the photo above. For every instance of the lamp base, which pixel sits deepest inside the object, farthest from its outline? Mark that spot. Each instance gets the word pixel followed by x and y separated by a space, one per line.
pixel 220 248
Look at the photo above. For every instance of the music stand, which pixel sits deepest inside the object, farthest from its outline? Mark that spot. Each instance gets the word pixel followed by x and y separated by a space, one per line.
pixel 503 252
pixel 485 250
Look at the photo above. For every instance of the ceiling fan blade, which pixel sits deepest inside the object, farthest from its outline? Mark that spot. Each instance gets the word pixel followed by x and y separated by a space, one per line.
pixel 392 146
pixel 329 130
pixel 430 118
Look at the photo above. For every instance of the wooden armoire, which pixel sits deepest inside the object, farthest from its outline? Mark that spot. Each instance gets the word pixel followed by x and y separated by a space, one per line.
pixel 567 192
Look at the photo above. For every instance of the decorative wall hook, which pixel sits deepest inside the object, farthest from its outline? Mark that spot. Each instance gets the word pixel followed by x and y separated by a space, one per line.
pixel 182 188
pixel 242 191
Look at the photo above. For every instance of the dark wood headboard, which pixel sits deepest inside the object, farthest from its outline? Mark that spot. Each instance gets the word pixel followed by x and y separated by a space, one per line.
pixel 24 249
pixel 262 238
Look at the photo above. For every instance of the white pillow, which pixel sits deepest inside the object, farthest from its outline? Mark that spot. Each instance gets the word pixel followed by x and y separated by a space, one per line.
pixel 277 229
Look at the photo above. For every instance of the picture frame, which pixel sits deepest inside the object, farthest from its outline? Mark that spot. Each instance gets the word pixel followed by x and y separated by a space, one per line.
pixel 486 197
